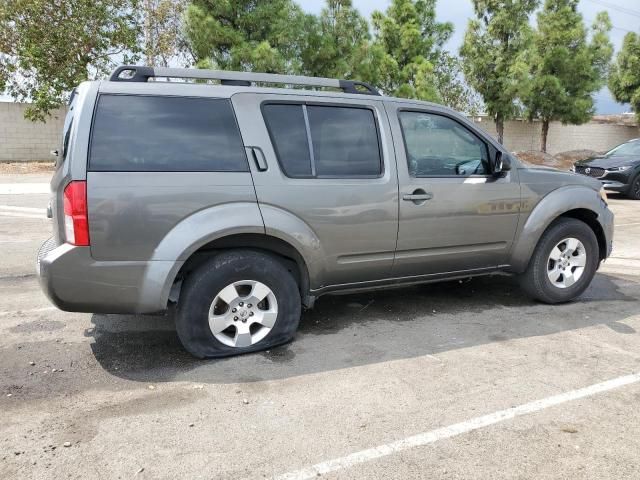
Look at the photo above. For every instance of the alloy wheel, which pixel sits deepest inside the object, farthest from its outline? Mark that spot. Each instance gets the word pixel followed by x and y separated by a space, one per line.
pixel 566 263
pixel 243 313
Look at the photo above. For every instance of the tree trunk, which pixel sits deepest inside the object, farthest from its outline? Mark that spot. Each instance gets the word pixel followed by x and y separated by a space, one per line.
pixel 544 134
pixel 148 34
pixel 500 127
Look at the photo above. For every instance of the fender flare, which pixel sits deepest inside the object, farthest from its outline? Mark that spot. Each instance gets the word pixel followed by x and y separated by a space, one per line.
pixel 290 228
pixel 214 223
pixel 552 206
pixel 187 237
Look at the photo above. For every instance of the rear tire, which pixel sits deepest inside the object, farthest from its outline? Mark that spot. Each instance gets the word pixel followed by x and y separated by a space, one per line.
pixel 563 263
pixel 238 302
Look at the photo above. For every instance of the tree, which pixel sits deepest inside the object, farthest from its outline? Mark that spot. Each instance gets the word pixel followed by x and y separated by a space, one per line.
pixel 48 47
pixel 566 67
pixel 246 35
pixel 162 20
pixel 624 79
pixel 408 43
pixel 335 41
pixel 492 54
pixel 453 91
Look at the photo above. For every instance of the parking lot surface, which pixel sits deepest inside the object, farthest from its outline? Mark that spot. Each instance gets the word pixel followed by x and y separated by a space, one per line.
pixel 466 379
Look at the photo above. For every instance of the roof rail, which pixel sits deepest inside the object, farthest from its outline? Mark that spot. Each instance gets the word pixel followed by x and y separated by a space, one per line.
pixel 133 73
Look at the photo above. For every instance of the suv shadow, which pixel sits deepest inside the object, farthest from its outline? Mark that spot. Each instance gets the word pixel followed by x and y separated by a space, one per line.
pixel 361 329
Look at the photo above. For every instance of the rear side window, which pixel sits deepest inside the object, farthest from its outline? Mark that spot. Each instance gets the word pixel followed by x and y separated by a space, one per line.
pixel 324 141
pixel 165 134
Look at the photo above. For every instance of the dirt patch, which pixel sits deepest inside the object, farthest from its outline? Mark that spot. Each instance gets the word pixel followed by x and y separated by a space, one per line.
pixel 535 157
pixel 27 167
pixel 561 161
pixel 572 156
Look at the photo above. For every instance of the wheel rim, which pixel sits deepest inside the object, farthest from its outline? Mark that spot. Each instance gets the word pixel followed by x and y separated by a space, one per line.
pixel 636 189
pixel 243 313
pixel 566 263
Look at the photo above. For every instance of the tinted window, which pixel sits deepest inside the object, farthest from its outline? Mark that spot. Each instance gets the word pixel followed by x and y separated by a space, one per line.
pixel 439 146
pixel 286 126
pixel 344 140
pixel 143 133
pixel 66 130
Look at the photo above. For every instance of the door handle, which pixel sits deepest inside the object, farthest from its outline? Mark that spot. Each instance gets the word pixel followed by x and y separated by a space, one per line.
pixel 419 196
pixel 258 159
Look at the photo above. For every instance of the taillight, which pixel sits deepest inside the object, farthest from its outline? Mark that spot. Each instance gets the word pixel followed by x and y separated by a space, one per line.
pixel 76 220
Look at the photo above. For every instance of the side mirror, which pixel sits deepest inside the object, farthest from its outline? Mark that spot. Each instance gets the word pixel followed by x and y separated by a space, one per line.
pixel 500 163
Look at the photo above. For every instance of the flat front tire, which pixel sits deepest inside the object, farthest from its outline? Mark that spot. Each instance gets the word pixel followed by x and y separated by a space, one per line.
pixel 238 302
pixel 563 263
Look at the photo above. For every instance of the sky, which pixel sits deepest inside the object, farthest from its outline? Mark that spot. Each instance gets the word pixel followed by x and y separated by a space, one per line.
pixel 625 16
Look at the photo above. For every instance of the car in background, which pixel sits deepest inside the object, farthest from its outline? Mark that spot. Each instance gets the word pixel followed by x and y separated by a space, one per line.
pixel 618 169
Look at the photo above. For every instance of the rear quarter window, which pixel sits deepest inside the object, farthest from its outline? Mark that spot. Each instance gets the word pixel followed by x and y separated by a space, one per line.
pixel 158 134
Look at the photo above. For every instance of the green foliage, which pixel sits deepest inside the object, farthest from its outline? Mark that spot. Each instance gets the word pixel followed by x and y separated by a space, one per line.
pixel 48 47
pixel 162 43
pixel 246 35
pixel 453 91
pixel 493 54
pixel 624 79
pixel 566 68
pixel 335 41
pixel 408 43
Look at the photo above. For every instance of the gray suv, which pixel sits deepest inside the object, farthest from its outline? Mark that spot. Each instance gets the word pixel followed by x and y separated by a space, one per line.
pixel 241 204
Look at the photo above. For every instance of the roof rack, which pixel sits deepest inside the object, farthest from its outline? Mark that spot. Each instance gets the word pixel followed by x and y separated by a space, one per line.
pixel 133 73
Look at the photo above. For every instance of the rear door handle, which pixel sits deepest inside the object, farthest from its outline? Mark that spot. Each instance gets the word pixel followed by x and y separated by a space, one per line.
pixel 258 159
pixel 418 196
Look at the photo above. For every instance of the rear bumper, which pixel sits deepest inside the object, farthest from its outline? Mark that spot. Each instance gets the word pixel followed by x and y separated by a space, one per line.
pixel 75 282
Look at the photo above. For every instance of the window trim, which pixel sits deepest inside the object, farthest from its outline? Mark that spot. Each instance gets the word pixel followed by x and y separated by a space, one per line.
pixel 194 97
pixel 452 118
pixel 314 176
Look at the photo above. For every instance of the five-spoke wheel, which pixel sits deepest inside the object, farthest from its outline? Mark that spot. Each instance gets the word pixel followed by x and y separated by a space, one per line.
pixel 243 313
pixel 566 262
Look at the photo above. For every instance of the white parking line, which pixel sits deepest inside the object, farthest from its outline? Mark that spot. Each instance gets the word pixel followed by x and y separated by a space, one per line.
pixel 22 212
pixel 23 188
pixel 22 215
pixel 627 224
pixel 433 436
pixel 14 208
pixel 31 310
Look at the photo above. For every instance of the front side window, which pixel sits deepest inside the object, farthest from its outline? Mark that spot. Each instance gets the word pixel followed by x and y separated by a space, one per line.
pixel 324 141
pixel 165 134
pixel 439 146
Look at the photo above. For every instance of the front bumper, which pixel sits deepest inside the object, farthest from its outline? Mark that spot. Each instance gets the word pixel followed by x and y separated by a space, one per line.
pixel 615 181
pixel 607 218
pixel 614 186
pixel 75 282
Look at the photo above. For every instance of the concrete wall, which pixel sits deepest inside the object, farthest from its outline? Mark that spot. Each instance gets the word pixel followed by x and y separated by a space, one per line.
pixel 23 140
pixel 521 135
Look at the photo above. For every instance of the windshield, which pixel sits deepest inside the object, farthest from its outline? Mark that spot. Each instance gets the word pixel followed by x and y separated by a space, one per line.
pixel 626 149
